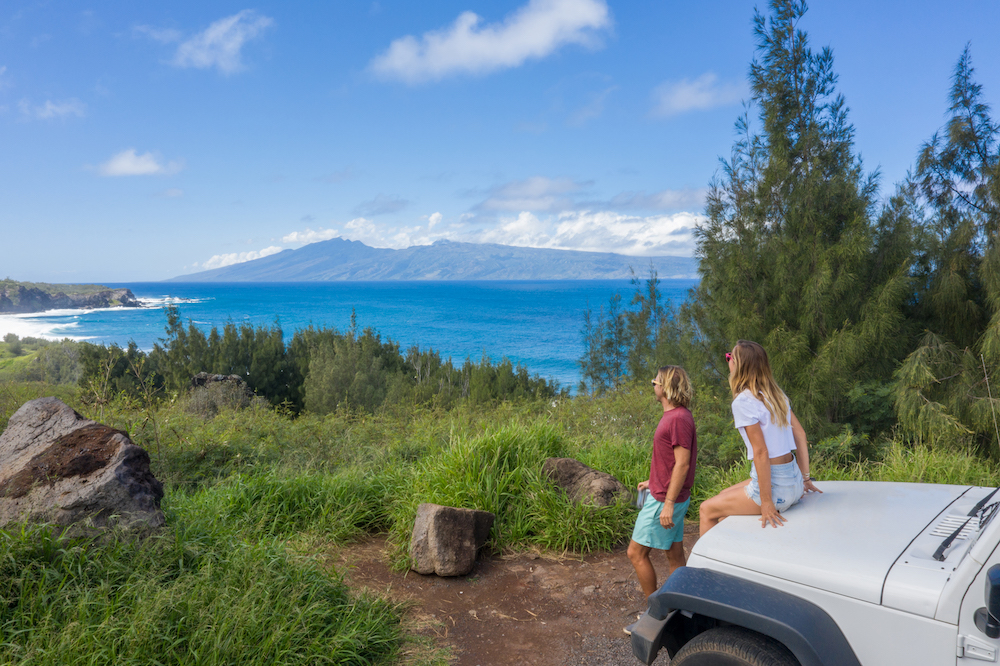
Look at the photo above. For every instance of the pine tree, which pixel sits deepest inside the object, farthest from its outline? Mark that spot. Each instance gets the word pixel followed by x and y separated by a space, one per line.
pixel 795 254
pixel 942 393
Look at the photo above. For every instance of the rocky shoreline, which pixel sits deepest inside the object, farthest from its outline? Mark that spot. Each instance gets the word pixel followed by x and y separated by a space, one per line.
pixel 21 299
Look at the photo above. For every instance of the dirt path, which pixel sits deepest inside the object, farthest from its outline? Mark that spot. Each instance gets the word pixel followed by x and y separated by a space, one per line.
pixel 517 610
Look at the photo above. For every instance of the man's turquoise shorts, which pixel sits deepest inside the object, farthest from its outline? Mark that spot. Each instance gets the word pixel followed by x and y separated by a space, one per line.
pixel 649 532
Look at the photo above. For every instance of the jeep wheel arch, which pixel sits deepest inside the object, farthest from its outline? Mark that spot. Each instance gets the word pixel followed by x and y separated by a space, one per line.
pixel 694 600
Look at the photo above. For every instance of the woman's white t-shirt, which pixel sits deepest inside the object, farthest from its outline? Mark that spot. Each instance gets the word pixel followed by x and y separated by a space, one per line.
pixel 749 409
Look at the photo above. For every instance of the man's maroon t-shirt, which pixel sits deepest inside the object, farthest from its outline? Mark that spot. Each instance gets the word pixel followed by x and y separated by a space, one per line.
pixel 676 428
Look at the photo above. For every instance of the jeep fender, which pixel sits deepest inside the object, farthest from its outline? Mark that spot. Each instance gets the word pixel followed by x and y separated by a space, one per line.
pixel 693 600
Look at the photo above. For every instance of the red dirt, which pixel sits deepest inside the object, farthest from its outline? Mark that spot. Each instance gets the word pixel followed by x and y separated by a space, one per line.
pixel 523 609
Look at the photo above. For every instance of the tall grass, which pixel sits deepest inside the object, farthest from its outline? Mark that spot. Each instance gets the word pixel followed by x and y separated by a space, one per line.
pixel 183 596
pixel 339 507
pixel 248 492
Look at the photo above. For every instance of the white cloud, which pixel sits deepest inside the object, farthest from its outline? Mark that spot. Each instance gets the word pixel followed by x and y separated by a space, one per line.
pixel 162 35
pixel 662 200
pixel 128 163
pixel 220 260
pixel 172 193
pixel 4 83
pixel 433 220
pixel 220 44
pixel 50 109
pixel 537 193
pixel 309 236
pixel 602 231
pixel 533 31
pixel 706 92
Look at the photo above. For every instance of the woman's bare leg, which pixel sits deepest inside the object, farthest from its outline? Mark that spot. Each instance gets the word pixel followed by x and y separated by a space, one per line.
pixel 732 501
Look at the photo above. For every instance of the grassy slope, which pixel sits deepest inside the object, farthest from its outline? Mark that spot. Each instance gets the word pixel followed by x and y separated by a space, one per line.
pixel 68 289
pixel 251 494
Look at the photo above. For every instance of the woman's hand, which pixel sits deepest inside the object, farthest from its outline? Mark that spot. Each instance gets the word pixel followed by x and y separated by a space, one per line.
pixel 667 515
pixel 643 485
pixel 810 487
pixel 769 514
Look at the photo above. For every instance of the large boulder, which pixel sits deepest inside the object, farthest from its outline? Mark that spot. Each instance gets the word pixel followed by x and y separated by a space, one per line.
pixel 582 483
pixel 58 467
pixel 445 540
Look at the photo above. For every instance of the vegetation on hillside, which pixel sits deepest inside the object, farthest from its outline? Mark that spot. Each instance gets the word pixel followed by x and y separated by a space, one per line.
pixel 12 285
pixel 876 315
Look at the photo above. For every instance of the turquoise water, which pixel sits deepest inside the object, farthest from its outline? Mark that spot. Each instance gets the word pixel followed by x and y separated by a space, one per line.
pixel 536 324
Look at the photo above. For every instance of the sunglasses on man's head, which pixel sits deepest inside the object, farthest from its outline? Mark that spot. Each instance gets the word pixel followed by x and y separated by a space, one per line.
pixel 729 357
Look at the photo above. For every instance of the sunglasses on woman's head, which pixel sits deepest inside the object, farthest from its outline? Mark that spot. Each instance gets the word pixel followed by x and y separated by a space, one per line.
pixel 729 357
pixel 655 383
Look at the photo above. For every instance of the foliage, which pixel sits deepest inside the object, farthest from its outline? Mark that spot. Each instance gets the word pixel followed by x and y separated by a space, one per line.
pixel 191 594
pixel 323 370
pixel 942 390
pixel 36 360
pixel 628 342
pixel 249 491
pixel 793 255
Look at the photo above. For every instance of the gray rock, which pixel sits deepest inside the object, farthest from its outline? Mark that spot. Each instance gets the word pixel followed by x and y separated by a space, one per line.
pixel 582 483
pixel 207 379
pixel 445 539
pixel 58 467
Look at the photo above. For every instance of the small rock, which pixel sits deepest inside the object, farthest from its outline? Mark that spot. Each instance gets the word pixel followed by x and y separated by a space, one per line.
pixel 445 539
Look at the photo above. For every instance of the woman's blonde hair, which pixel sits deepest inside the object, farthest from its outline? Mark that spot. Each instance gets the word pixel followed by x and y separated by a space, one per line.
pixel 752 371
pixel 675 384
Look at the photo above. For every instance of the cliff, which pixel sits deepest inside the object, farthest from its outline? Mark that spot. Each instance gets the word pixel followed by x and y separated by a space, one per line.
pixel 22 297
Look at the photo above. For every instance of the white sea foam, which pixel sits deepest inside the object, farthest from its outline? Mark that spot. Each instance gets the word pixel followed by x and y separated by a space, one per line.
pixel 169 300
pixel 32 326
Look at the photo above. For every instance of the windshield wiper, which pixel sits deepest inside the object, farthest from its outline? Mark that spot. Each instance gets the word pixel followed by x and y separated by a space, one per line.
pixel 981 503
pixel 939 553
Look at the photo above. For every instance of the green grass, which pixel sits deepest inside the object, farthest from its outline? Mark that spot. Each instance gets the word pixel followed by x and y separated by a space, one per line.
pixel 250 494
pixel 190 594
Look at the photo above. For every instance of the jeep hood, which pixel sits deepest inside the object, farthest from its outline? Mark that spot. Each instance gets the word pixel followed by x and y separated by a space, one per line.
pixel 845 540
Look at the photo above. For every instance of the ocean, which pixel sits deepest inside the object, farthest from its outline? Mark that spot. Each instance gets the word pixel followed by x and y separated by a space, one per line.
pixel 535 323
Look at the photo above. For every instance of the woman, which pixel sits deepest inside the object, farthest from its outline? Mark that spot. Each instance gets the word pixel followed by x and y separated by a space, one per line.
pixel 763 415
pixel 671 474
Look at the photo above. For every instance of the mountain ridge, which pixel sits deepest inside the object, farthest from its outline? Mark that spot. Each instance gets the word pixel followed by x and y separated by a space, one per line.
pixel 339 259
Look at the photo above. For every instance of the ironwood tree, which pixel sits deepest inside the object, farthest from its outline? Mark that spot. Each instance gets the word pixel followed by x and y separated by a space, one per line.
pixel 943 392
pixel 797 253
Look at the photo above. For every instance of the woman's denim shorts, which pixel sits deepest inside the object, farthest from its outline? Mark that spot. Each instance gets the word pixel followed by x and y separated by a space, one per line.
pixel 786 485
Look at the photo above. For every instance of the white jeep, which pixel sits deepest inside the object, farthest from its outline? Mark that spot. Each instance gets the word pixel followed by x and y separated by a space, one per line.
pixel 866 573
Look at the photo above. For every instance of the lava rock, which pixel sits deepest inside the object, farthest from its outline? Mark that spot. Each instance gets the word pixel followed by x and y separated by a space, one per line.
pixel 445 540
pixel 58 467
pixel 582 483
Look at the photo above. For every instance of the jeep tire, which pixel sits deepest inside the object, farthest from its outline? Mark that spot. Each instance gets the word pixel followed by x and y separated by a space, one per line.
pixel 733 646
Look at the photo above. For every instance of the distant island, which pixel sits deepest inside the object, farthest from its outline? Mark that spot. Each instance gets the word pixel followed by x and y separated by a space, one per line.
pixel 26 297
pixel 342 260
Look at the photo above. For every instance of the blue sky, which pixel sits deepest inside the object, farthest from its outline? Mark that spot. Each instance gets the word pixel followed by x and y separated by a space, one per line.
pixel 146 140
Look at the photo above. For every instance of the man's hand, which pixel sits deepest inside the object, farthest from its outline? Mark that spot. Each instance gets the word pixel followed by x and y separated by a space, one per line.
pixel 667 515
